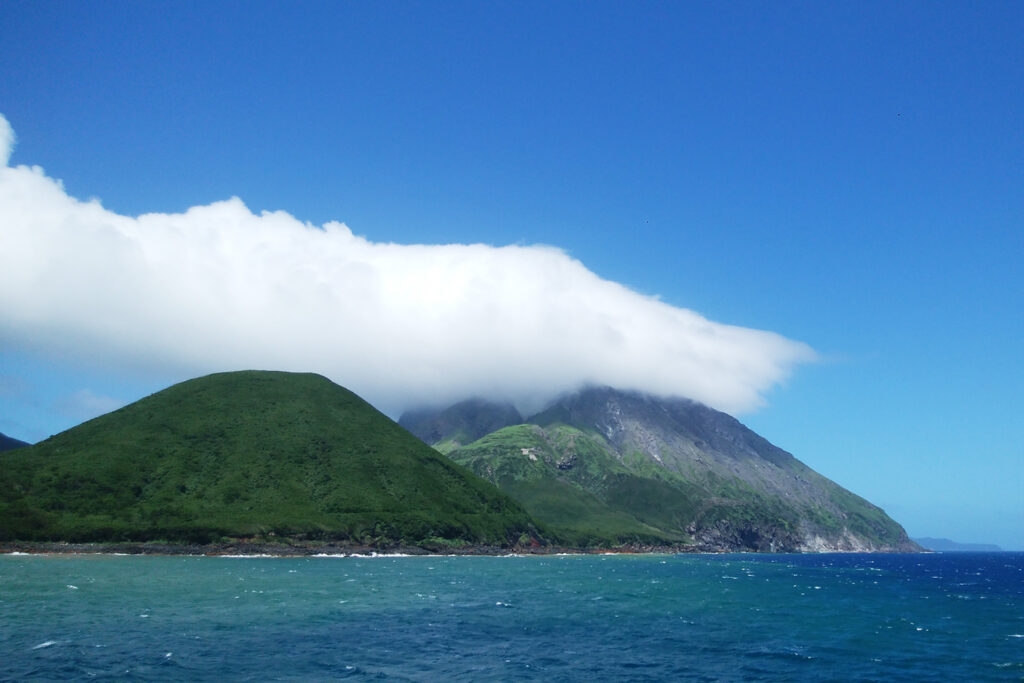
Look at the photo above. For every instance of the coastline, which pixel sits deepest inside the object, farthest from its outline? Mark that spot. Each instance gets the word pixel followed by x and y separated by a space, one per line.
pixel 245 548
pixel 261 549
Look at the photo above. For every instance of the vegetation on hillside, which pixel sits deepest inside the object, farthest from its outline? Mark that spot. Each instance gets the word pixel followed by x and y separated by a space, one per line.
pixel 249 454
pixel 604 467
pixel 459 424
pixel 584 496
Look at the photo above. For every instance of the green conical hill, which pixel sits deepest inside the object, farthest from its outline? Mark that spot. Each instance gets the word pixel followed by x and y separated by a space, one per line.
pixel 248 453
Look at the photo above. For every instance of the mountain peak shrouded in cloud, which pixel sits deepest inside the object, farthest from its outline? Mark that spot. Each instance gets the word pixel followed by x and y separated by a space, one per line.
pixel 219 287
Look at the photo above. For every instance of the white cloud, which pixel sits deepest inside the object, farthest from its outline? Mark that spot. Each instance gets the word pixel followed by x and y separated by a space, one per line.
pixel 219 287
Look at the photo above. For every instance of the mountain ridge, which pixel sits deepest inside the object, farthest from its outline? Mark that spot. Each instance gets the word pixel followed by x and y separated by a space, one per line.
pixel 945 545
pixel 8 443
pixel 675 470
pixel 233 457
pixel 460 423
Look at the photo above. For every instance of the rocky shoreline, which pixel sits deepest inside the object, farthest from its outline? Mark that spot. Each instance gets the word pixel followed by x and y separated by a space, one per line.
pixel 261 549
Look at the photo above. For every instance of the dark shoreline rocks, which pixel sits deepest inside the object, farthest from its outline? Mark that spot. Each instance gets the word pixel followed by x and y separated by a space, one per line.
pixel 262 549
pixel 258 549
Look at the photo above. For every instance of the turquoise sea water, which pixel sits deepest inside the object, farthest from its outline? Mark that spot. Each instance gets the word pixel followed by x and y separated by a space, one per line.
pixel 702 617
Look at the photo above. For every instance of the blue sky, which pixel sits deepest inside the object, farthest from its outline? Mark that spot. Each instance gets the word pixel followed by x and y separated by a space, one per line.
pixel 846 176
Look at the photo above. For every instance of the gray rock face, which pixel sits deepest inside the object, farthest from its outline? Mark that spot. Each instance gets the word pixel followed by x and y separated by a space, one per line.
pixel 688 439
pixel 733 489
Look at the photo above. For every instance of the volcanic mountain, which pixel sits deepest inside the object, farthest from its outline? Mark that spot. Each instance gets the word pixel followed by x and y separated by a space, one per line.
pixel 603 466
pixel 245 454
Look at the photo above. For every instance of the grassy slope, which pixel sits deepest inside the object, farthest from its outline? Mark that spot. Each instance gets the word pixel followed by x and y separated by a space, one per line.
pixel 580 489
pixel 570 482
pixel 238 454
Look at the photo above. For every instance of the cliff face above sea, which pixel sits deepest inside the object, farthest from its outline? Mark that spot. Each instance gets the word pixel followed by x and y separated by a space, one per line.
pixel 610 466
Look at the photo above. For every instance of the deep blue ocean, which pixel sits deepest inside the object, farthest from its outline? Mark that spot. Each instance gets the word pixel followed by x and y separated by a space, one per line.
pixel 948 617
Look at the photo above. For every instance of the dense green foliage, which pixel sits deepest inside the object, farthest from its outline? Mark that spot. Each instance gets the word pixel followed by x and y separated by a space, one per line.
pixel 249 454
pixel 570 482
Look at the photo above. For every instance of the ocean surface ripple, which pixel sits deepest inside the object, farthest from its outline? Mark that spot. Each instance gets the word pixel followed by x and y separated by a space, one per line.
pixel 607 617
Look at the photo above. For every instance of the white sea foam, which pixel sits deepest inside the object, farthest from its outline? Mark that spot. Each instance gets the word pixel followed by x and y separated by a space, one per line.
pixel 374 554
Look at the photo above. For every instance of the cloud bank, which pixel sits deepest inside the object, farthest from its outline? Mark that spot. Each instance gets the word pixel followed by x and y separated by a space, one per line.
pixel 219 288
